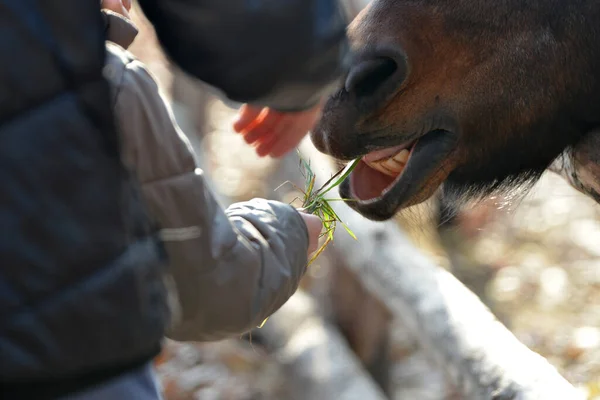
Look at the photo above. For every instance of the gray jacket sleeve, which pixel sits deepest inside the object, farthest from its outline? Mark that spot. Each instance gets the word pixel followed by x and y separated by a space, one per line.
pixel 282 54
pixel 231 268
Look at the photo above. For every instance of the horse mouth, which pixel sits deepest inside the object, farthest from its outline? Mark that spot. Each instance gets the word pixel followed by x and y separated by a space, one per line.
pixel 384 181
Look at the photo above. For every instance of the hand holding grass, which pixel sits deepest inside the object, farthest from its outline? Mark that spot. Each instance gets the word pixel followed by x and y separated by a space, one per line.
pixel 316 210
pixel 315 201
pixel 315 226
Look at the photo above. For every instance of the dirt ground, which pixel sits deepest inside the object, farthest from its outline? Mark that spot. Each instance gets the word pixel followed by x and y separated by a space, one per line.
pixel 543 254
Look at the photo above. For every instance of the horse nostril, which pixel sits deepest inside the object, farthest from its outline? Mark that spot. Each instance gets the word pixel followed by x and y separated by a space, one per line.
pixel 368 76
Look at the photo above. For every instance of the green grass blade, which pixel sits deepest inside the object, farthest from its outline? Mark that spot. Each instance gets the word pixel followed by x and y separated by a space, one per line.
pixel 314 202
pixel 288 183
pixel 332 212
pixel 349 231
pixel 263 323
pixel 308 173
pixel 344 174
pixel 318 252
pixel 344 200
pixel 311 185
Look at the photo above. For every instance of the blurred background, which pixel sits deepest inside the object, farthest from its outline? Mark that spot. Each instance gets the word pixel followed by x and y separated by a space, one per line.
pixel 534 261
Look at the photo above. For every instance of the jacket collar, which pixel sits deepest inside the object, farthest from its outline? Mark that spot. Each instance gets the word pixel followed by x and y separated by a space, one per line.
pixel 119 29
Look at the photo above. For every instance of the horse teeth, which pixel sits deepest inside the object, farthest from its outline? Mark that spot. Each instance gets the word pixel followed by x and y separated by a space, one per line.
pixel 388 167
pixel 392 166
pixel 402 157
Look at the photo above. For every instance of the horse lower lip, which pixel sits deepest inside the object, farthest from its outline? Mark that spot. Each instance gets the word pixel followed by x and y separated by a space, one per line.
pixel 379 198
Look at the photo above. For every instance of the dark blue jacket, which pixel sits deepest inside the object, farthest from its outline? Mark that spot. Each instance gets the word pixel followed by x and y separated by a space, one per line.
pixel 285 54
pixel 81 291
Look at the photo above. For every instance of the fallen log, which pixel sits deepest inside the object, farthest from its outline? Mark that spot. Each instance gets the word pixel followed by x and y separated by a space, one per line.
pixel 315 355
pixel 480 356
pixel 364 321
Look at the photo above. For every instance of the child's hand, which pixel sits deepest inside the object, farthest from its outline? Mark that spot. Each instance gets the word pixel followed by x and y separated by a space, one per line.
pixel 274 133
pixel 314 225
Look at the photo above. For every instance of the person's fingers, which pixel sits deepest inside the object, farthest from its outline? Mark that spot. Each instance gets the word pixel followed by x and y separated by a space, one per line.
pixel 246 116
pixel 116 6
pixel 293 134
pixel 281 147
pixel 275 133
pixel 314 226
pixel 264 148
pixel 263 129
pixel 278 134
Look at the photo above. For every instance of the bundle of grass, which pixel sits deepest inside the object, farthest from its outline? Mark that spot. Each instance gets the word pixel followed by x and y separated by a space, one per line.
pixel 316 202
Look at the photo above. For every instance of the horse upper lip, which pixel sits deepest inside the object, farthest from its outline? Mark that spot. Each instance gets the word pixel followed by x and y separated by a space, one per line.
pixel 386 152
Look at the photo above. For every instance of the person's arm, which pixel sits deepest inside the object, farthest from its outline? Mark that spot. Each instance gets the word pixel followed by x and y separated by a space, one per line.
pixel 232 268
pixel 286 55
